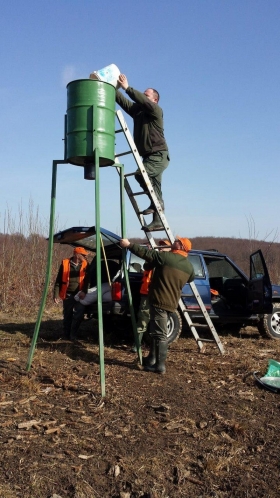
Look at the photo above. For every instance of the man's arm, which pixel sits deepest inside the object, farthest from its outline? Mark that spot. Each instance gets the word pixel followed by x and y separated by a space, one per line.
pixel 150 255
pixel 139 98
pixel 57 284
pixel 125 104
pixel 85 283
pixel 146 105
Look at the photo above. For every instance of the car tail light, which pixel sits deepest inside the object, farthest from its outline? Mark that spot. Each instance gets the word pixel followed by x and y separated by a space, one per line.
pixel 116 290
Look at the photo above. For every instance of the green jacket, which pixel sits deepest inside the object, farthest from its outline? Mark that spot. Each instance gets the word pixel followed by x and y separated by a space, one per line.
pixel 172 272
pixel 148 121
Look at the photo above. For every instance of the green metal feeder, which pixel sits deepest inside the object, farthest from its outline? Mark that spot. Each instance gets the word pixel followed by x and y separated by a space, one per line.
pixel 90 124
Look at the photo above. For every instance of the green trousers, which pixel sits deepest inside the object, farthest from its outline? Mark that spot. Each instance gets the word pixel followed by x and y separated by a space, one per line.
pixel 155 164
pixel 143 317
pixel 158 323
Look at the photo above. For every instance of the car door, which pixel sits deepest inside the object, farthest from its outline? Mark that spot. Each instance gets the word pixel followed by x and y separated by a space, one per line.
pixel 202 284
pixel 259 288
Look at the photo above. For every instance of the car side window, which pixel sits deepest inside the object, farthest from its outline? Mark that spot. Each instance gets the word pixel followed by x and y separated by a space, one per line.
pixel 220 267
pixel 136 264
pixel 195 260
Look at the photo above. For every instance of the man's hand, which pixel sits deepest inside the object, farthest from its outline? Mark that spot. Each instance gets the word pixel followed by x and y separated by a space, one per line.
pixel 124 243
pixel 56 300
pixel 123 81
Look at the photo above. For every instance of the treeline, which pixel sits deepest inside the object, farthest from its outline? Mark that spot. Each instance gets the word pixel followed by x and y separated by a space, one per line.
pixel 23 264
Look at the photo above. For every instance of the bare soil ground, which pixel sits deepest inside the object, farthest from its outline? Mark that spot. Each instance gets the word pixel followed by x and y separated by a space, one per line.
pixel 205 429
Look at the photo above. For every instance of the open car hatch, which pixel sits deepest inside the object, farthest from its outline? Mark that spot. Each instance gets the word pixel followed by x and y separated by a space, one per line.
pixel 86 237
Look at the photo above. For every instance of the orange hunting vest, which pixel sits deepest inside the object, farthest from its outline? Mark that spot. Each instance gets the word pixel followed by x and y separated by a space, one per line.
pixel 146 280
pixel 65 276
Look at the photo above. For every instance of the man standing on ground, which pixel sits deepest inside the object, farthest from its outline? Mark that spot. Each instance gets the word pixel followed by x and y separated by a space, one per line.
pixel 172 271
pixel 143 315
pixel 149 139
pixel 72 277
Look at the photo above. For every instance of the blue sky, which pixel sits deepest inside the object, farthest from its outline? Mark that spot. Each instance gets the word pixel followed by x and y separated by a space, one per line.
pixel 216 66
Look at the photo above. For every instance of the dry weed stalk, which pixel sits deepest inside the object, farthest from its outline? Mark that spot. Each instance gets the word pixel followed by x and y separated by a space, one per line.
pixel 23 257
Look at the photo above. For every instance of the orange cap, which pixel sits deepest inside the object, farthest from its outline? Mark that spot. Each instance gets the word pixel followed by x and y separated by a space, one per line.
pixel 80 250
pixel 164 242
pixel 186 243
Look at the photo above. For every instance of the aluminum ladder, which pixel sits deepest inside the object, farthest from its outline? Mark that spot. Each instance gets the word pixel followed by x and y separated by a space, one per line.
pixel 150 192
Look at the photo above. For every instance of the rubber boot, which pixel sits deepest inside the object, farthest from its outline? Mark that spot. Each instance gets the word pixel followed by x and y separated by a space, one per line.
pixel 161 353
pixel 134 347
pixel 162 347
pixel 155 225
pixel 149 210
pixel 150 360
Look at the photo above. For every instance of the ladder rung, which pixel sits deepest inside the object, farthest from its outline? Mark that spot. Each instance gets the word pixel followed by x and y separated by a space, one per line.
pixel 199 325
pixel 204 340
pixel 187 311
pixel 123 153
pixel 138 193
pixel 131 174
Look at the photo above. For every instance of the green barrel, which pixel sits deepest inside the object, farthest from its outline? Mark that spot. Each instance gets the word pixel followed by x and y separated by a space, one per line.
pixel 90 122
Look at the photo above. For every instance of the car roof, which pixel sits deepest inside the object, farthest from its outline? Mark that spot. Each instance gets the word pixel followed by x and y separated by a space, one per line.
pixel 86 237
pixel 208 252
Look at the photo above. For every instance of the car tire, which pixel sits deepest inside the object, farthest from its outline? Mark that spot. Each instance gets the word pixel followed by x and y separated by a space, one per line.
pixel 174 327
pixel 269 325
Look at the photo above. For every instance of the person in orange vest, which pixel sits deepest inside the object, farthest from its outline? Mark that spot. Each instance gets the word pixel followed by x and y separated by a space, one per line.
pixel 72 277
pixel 143 316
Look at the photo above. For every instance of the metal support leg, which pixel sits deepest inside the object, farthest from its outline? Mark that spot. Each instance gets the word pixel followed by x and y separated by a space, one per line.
pixel 123 229
pixel 98 275
pixel 49 265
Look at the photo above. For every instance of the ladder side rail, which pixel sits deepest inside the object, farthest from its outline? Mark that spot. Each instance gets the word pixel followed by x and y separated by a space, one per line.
pixel 142 169
pixel 138 160
pixel 130 195
pixel 192 327
pixel 169 234
pixel 136 208
pixel 188 319
pixel 207 317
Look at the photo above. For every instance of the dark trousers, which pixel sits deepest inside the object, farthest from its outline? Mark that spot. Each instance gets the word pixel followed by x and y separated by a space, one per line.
pixel 73 313
pixel 155 164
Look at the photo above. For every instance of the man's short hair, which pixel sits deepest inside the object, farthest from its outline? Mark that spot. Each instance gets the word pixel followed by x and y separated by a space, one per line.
pixel 155 94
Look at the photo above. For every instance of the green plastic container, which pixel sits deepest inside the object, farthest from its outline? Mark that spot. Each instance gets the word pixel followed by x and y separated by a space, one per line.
pixel 273 369
pixel 90 122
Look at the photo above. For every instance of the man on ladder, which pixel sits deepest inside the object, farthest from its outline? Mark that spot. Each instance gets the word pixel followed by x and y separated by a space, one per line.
pixel 149 139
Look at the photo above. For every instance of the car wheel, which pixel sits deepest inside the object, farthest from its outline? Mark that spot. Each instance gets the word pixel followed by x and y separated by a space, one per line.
pixel 174 327
pixel 269 326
